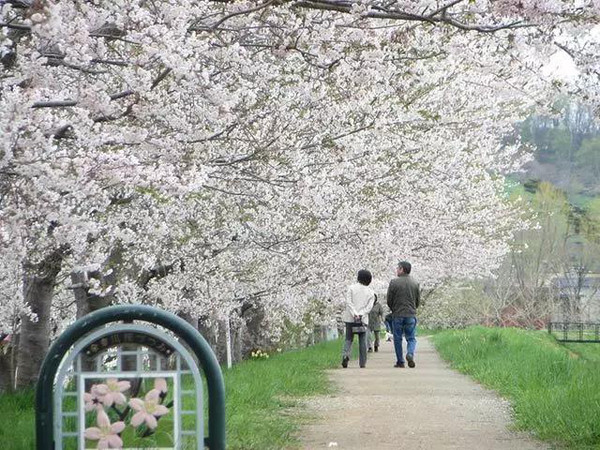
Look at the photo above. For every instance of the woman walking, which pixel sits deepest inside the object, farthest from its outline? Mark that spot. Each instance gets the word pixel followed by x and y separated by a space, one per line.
pixel 375 325
pixel 359 301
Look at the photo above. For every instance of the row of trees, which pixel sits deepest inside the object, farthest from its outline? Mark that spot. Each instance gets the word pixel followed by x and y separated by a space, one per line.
pixel 232 161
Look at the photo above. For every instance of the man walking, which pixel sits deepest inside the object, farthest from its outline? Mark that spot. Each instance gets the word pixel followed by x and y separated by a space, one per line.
pixel 403 299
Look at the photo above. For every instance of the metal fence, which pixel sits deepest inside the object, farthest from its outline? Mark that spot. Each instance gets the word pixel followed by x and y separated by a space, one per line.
pixel 575 331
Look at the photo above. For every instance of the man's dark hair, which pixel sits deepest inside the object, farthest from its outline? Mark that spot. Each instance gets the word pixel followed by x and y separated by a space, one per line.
pixel 364 277
pixel 406 267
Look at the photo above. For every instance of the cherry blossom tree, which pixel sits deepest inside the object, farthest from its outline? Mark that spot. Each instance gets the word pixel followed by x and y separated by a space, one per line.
pixel 224 159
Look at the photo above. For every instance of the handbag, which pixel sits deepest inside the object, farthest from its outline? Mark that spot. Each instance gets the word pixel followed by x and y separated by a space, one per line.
pixel 359 327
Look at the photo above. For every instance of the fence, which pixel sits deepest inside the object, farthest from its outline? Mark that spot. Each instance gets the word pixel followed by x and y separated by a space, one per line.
pixel 575 331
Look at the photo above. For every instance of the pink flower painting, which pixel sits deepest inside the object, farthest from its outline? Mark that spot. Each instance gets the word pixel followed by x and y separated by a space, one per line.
pixel 105 433
pixel 110 402
pixel 148 409
pixel 160 384
pixel 93 400
pixel 112 392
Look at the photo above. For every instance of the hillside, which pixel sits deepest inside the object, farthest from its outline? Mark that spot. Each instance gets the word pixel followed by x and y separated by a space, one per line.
pixel 567 153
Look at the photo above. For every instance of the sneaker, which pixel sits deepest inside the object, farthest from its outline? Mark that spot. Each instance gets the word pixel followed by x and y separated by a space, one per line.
pixel 399 365
pixel 370 350
pixel 345 360
pixel 362 367
pixel 411 361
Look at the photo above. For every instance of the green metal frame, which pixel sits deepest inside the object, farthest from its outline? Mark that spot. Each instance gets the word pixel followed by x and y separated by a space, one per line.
pixel 208 363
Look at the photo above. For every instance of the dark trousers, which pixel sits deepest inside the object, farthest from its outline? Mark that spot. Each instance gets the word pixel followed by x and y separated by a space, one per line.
pixel 373 337
pixel 362 344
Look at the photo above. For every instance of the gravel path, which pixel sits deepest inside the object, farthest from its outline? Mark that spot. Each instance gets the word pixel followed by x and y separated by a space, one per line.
pixel 428 407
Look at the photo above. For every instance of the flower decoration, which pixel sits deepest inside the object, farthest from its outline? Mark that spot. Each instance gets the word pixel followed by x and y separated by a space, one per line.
pixel 148 409
pixel 112 392
pixel 160 384
pixel 105 433
pixel 93 400
pixel 108 401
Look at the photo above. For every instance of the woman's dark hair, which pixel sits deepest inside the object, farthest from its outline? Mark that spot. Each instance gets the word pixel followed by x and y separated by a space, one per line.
pixel 364 277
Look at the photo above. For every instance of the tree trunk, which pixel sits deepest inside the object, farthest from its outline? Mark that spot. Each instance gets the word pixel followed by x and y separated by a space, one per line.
pixel 84 300
pixel 6 365
pixel 34 336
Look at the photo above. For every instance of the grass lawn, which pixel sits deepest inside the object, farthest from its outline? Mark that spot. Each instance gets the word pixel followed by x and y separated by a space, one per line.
pixel 554 388
pixel 260 400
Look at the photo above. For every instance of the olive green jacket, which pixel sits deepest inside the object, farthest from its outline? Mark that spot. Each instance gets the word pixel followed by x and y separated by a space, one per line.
pixel 376 317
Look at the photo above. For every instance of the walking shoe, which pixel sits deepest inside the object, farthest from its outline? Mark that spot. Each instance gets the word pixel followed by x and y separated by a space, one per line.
pixel 399 365
pixel 376 349
pixel 362 367
pixel 370 350
pixel 345 360
pixel 411 361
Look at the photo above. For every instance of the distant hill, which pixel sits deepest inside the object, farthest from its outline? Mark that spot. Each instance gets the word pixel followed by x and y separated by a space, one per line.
pixel 567 153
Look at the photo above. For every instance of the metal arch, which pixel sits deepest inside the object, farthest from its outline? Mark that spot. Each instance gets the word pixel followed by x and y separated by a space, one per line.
pixel 88 323
pixel 99 333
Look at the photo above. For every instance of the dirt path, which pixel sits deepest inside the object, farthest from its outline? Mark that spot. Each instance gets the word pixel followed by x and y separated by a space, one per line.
pixel 428 407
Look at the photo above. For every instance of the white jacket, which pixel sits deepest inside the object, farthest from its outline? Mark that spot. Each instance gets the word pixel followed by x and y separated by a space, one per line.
pixel 359 301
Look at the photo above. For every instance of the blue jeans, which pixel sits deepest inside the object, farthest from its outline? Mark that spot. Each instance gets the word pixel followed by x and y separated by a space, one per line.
pixel 388 324
pixel 408 327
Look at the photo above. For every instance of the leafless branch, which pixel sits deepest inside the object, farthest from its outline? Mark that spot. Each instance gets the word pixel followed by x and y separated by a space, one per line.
pixel 15 26
pixel 382 13
pixel 239 13
pixel 445 8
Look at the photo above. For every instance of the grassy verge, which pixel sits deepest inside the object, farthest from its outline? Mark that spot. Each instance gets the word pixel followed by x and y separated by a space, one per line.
pixel 260 395
pixel 554 389
pixel 18 430
pixel 422 331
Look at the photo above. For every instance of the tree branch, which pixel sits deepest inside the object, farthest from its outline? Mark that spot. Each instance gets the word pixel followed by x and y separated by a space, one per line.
pixel 15 26
pixel 445 8
pixel 239 13
pixel 382 13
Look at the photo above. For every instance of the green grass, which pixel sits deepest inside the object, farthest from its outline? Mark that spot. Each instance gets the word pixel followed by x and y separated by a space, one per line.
pixel 260 400
pixel 260 394
pixel 17 430
pixel 589 351
pixel 422 331
pixel 554 388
